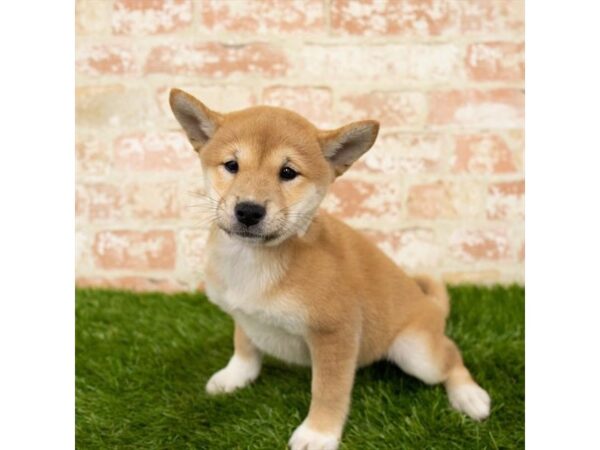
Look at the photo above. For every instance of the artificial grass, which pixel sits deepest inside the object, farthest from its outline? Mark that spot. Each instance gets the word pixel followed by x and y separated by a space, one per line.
pixel 142 361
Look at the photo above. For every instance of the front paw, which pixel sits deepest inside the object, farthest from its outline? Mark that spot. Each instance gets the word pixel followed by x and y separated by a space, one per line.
pixel 237 374
pixel 305 438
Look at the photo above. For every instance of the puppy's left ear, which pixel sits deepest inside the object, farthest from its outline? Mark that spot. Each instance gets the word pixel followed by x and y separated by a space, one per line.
pixel 343 146
pixel 198 121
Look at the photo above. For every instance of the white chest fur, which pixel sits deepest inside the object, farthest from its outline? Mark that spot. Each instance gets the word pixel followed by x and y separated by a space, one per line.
pixel 275 323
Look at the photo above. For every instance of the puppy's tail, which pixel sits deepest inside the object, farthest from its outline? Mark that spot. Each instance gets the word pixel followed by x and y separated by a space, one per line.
pixel 436 289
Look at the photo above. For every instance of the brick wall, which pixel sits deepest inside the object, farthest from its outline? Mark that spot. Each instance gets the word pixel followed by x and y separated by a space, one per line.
pixel 442 190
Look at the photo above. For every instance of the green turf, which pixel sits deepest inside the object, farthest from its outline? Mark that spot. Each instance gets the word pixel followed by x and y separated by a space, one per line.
pixel 143 360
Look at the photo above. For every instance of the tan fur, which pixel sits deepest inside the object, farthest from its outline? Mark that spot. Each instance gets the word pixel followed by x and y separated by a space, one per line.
pixel 310 289
pixel 435 289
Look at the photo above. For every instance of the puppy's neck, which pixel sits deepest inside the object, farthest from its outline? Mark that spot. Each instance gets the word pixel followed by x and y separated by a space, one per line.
pixel 246 266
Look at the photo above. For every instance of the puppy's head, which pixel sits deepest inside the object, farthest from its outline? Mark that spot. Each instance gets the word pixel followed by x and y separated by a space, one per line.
pixel 267 169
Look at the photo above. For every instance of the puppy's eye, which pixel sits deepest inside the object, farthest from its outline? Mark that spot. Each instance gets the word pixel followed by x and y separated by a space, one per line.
pixel 287 173
pixel 231 166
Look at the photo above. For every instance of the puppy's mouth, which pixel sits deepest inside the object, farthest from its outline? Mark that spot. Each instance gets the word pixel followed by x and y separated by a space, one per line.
pixel 252 236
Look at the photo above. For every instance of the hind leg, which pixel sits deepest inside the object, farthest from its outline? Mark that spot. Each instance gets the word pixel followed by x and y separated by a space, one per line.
pixel 434 358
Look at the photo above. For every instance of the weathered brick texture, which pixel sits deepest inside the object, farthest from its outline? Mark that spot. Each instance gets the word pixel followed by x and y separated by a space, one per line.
pixel 442 191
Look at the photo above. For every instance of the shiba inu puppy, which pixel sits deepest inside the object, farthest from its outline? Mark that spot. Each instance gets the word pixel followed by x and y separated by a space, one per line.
pixel 301 285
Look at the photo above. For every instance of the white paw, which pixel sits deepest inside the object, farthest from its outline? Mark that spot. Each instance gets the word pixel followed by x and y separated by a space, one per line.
pixel 237 374
pixel 305 438
pixel 470 399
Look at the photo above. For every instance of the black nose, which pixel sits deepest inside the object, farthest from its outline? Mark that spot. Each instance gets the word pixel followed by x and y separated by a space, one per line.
pixel 249 213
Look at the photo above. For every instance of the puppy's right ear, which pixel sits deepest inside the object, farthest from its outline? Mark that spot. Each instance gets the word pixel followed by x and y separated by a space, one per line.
pixel 198 122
